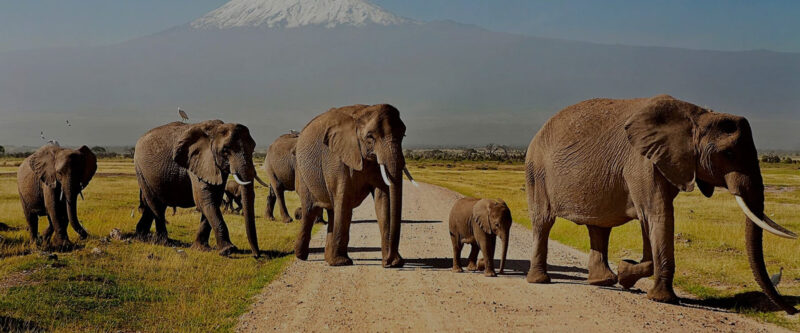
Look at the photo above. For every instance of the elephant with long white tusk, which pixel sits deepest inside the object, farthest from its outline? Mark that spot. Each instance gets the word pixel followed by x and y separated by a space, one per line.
pixel 604 162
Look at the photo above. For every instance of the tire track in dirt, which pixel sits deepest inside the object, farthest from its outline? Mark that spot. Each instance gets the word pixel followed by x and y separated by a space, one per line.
pixel 426 296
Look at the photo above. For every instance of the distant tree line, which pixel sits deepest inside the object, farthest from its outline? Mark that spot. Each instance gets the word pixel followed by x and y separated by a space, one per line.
pixel 775 158
pixel 490 152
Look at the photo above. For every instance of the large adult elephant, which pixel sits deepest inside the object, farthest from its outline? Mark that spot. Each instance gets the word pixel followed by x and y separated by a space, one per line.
pixel 343 155
pixel 49 182
pixel 187 165
pixel 604 162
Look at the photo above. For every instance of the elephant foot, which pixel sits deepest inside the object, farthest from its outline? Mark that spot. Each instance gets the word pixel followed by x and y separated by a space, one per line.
pixel 201 246
pixel 456 269
pixel 481 264
pixel 287 220
pixel 160 239
pixel 143 236
pixel 83 234
pixel 398 262
pixel 59 245
pixel 630 272
pixel 536 276
pixel 490 273
pixel 663 293
pixel 301 253
pixel 340 261
pixel 605 278
pixel 228 250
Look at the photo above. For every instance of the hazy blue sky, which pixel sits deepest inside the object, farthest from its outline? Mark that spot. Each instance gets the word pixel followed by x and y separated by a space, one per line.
pixel 728 25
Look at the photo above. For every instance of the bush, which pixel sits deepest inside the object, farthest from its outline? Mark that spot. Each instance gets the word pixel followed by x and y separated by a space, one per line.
pixel 771 158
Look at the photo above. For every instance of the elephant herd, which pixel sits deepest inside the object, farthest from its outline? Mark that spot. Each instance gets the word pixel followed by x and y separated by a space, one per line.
pixel 599 163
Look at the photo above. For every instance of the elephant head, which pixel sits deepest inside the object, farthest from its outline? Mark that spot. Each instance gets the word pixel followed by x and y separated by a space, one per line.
pixel 211 151
pixel 372 134
pixel 71 170
pixel 688 145
pixel 494 218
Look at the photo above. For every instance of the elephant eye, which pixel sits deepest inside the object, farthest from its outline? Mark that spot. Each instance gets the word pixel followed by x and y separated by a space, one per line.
pixel 728 153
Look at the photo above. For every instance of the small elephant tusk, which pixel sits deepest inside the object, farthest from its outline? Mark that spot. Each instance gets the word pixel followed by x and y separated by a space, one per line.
pixel 81 193
pixel 61 196
pixel 766 224
pixel 383 174
pixel 408 174
pixel 239 181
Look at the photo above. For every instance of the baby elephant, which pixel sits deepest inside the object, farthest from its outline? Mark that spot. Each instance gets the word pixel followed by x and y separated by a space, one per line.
pixel 478 222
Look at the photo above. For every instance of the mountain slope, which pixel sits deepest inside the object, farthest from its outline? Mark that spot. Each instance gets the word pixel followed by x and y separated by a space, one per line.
pixel 296 13
pixel 454 83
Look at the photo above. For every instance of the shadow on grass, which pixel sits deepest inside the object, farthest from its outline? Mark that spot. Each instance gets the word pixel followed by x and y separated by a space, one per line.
pixel 152 239
pixel 9 324
pixel 404 221
pixel 6 227
pixel 751 301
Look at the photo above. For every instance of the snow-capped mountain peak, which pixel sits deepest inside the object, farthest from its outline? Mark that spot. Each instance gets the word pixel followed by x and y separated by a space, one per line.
pixel 296 13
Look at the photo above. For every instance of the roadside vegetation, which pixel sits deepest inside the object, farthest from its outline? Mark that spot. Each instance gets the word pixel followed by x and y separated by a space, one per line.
pixel 711 261
pixel 121 285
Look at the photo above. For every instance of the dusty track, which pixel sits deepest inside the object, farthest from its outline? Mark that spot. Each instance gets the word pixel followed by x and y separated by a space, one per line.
pixel 427 296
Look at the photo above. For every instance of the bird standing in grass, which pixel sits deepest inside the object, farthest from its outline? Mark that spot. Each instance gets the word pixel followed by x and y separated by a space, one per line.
pixel 183 115
pixel 776 278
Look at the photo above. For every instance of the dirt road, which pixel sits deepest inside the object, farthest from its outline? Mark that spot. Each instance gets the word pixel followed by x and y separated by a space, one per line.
pixel 427 296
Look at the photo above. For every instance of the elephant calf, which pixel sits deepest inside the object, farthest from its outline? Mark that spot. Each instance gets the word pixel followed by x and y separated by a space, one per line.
pixel 49 182
pixel 233 194
pixel 478 222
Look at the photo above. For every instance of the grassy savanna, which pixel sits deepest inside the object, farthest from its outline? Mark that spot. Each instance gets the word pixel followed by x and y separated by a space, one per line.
pixel 110 285
pixel 711 261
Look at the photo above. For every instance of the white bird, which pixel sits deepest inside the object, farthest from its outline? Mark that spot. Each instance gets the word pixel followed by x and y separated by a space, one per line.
pixel 54 142
pixel 776 278
pixel 293 132
pixel 183 115
pixel 41 134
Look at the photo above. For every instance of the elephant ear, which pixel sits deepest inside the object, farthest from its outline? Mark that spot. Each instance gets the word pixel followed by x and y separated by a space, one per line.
pixel 194 152
pixel 42 163
pixel 480 213
pixel 342 139
pixel 90 165
pixel 663 132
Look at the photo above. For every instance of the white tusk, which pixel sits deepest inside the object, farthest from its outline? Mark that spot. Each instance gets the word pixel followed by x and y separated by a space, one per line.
pixel 408 174
pixel 767 225
pixel 81 193
pixel 239 181
pixel 131 212
pixel 383 174
pixel 61 196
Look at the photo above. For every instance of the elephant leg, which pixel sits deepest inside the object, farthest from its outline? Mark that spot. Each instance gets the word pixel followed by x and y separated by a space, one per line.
pixel 57 211
pixel 541 232
pixel 340 236
pixel 381 199
pixel 310 212
pixel 662 229
pixel 33 226
pixel 271 197
pixel 320 220
pixel 472 265
pixel 599 272
pixel 488 256
pixel 630 271
pixel 145 222
pixel 282 202
pixel 238 201
pixel 159 213
pixel 213 215
pixel 456 253
pixel 203 234
pixel 48 232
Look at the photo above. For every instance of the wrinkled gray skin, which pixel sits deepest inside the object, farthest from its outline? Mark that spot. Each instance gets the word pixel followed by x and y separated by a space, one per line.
pixel 187 165
pixel 279 164
pixel 479 222
pixel 49 182
pixel 604 162
pixel 339 154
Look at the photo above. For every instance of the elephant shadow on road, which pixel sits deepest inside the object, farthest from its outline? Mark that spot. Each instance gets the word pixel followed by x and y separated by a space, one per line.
pixel 514 267
pixel 404 221
pixel 751 301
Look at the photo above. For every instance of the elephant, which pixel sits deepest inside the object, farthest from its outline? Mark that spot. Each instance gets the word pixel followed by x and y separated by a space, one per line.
pixel 298 215
pixel 343 155
pixel 604 162
pixel 479 222
pixel 187 165
pixel 279 165
pixel 233 195
pixel 49 182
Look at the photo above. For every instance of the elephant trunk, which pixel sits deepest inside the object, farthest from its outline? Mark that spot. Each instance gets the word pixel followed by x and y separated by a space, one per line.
pixel 248 205
pixel 394 164
pixel 504 238
pixel 749 191
pixel 70 192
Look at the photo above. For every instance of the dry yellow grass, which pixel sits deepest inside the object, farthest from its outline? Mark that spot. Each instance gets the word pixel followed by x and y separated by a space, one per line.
pixel 131 286
pixel 710 256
